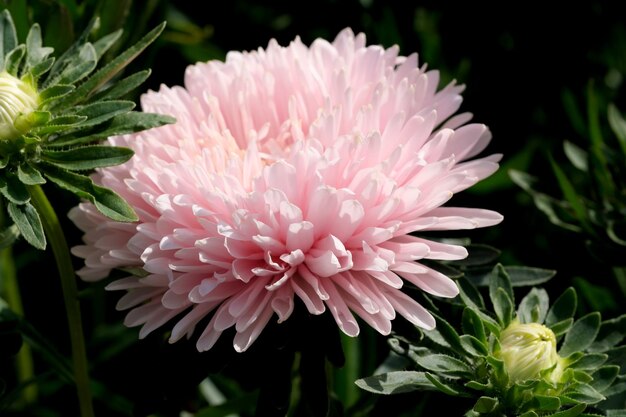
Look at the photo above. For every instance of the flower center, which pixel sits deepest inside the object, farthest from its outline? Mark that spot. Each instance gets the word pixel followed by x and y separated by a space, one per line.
pixel 17 100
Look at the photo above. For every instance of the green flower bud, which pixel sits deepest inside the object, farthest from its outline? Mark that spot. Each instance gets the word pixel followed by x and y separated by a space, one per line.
pixel 527 350
pixel 17 100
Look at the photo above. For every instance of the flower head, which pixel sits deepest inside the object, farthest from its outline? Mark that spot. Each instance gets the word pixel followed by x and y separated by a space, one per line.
pixel 17 98
pixel 527 349
pixel 292 173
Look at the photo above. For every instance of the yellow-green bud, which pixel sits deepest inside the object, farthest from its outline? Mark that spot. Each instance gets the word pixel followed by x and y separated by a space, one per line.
pixel 527 349
pixel 17 100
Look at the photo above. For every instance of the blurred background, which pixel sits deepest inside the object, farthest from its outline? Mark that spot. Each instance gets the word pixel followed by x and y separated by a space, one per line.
pixel 536 75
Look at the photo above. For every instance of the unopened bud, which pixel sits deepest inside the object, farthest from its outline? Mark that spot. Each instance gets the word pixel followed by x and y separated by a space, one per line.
pixel 17 100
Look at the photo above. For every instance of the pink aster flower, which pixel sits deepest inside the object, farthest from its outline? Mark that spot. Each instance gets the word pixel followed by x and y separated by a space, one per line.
pixel 292 173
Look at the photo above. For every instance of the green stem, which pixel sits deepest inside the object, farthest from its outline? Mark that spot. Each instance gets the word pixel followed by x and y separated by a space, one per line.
pixel 56 238
pixel 24 360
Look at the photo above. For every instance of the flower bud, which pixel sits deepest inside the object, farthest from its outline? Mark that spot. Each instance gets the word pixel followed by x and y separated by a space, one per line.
pixel 17 100
pixel 527 349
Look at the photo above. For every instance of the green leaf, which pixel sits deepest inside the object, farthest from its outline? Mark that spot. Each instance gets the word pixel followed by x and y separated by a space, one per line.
pixel 618 125
pixel 106 201
pixel 530 413
pixel 69 56
pixel 54 92
pixel 88 157
pixel 485 404
pixel 13 189
pixel 546 403
pixel 611 333
pixel 126 123
pixel 8 36
pixel 122 87
pixel 584 393
pixel 499 279
pixel 615 413
pixel 29 175
pixel 13 60
pixel 112 68
pixel 35 52
pixel 561 327
pixel 569 192
pixel 100 112
pixel 28 222
pixel 8 236
pixel 523 276
pixel 443 364
pixel 473 346
pixel 604 377
pixel 590 361
pixel 581 335
pixel 444 334
pixel 104 43
pixel 473 325
pixel 563 308
pixel 84 64
pixel 502 306
pixel 534 307
pixel 570 412
pixel 445 386
pixel 576 155
pixel 479 255
pixel 395 382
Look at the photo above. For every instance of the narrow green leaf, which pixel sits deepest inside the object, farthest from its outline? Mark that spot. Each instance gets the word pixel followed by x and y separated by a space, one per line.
pixel 575 114
pixel 584 393
pixel 112 68
pixel 104 43
pixel 85 63
pixel 503 307
pixel 546 403
pixel 615 413
pixel 29 175
pixel 8 36
pixel 106 201
pixel 563 308
pixel 28 222
pixel 523 276
pixel 534 306
pixel 8 236
pixel 54 92
pixel 87 157
pixel 13 189
pixel 70 54
pixel 100 112
pixel 485 404
pixel 530 413
pixel 576 155
pixel 59 124
pixel 569 192
pixel 478 386
pixel 35 52
pixel 444 334
pixel 473 346
pixel 122 87
pixel 13 59
pixel 395 382
pixel 473 325
pixel 479 255
pixel 443 364
pixel 604 377
pixel 581 335
pixel 499 279
pixel 618 125
pixel 445 386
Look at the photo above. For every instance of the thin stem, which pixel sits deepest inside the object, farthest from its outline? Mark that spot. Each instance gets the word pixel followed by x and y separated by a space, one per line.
pixel 56 239
pixel 11 290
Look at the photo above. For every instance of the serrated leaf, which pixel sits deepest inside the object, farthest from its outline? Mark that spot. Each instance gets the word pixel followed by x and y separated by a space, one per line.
pixel 590 361
pixel 485 404
pixel 563 308
pixel 473 346
pixel 70 54
pixel 395 382
pixel 473 325
pixel 112 68
pixel 59 124
pixel 88 157
pixel 584 393
pixel 104 43
pixel 604 377
pixel 611 333
pixel 122 87
pixel 581 335
pixel 13 189
pixel 29 175
pixel 54 92
pixel 29 224
pixel 546 403
pixel 8 36
pixel 82 66
pixel 576 155
pixel 106 201
pixel 8 236
pixel 126 123
pixel 534 306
